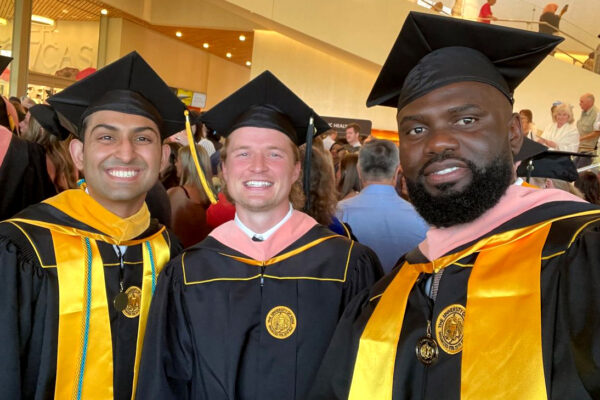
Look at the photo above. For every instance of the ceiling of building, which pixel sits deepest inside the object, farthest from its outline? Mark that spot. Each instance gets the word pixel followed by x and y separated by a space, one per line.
pixel 220 42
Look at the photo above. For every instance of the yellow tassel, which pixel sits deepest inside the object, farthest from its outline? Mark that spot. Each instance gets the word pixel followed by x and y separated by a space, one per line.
pixel 205 185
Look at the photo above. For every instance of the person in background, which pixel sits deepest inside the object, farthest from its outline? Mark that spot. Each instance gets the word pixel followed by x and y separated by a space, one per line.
pixel 329 138
pixel 589 185
pixel 485 12
pixel 168 174
pixel 529 128
pixel 549 20
pixel 588 136
pixel 379 217
pixel 189 201
pixel 348 181
pixel 562 134
pixel 353 135
pixel 323 193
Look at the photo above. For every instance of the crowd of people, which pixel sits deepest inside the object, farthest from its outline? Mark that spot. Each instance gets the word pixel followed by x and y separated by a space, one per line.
pixel 251 252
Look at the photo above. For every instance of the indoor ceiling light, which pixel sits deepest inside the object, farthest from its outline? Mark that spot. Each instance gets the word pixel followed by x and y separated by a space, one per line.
pixel 248 63
pixel 228 55
pixel 178 34
pixel 242 38
pixel 205 45
pixel 3 22
pixel 104 11
pixel 42 20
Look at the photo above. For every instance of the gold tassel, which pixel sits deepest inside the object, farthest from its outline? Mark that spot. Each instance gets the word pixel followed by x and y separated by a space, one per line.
pixel 207 189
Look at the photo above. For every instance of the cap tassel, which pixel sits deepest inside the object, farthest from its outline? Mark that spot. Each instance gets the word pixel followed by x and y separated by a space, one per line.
pixel 310 132
pixel 205 185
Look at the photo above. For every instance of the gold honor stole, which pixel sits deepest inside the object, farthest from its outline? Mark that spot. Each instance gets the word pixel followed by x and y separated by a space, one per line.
pixel 502 345
pixel 84 367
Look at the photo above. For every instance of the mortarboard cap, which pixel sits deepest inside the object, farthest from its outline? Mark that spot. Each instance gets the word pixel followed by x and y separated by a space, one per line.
pixel 128 85
pixel 433 51
pixel 265 102
pixel 539 161
pixel 47 118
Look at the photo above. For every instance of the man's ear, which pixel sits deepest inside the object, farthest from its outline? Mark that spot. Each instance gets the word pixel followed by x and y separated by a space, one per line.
pixel 515 133
pixel 166 152
pixel 76 150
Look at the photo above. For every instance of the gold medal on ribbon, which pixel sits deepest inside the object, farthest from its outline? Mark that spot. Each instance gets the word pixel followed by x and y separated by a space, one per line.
pixel 281 322
pixel 449 328
pixel 134 301
pixel 427 349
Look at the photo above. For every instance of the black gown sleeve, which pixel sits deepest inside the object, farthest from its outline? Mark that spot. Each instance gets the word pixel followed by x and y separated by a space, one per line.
pixel 579 314
pixel 28 301
pixel 364 270
pixel 335 374
pixel 167 359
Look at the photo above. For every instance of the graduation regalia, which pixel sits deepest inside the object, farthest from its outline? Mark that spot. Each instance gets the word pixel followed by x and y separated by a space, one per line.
pixel 503 306
pixel 73 306
pixel 235 318
pixel 536 337
pixel 225 325
pixel 43 338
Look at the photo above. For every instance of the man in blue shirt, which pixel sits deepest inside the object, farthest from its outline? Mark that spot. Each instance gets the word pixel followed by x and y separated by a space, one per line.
pixel 379 218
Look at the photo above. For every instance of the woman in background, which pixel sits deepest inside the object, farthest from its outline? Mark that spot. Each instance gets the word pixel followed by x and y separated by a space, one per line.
pixel 348 182
pixel 561 134
pixel 188 200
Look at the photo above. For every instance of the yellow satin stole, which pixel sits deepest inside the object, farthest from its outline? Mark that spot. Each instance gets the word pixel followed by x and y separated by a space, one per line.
pixel 502 342
pixel 84 368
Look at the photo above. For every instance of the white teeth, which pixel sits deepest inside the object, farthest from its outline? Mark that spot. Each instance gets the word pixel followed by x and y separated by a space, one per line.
pixel 122 174
pixel 258 184
pixel 446 171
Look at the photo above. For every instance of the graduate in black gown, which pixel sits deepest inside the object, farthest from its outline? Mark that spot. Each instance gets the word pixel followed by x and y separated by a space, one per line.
pixel 248 312
pixel 502 298
pixel 24 177
pixel 78 270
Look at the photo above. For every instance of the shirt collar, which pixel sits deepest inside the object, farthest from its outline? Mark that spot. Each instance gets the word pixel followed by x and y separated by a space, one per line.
pixel 265 235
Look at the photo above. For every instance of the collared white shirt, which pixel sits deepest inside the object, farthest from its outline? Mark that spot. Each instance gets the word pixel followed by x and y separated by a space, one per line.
pixel 265 235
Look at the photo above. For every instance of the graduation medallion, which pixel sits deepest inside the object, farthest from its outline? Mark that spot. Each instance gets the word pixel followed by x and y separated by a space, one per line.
pixel 281 322
pixel 427 349
pixel 449 328
pixel 134 298
pixel 120 301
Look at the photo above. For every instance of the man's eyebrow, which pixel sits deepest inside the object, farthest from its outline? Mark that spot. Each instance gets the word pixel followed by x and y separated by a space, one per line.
pixel 463 108
pixel 145 128
pixel 411 118
pixel 105 126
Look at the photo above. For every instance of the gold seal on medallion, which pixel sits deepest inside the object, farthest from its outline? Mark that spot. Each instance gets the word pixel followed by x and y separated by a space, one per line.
pixel 281 322
pixel 134 301
pixel 449 328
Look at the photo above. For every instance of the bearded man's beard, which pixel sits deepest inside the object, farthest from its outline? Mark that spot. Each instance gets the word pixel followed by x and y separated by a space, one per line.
pixel 453 207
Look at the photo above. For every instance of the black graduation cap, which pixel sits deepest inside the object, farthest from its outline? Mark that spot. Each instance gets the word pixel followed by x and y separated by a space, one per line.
pixel 128 85
pixel 539 161
pixel 432 51
pixel 4 61
pixel 47 118
pixel 265 102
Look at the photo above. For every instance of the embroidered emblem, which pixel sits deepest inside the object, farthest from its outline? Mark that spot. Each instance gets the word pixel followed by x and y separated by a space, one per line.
pixel 449 328
pixel 134 301
pixel 281 322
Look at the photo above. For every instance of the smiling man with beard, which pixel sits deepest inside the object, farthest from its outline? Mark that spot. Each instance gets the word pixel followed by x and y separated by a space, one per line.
pixel 78 270
pixel 502 298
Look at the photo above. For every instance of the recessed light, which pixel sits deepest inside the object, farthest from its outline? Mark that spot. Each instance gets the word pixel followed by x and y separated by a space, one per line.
pixel 248 63
pixel 42 20
pixel 65 11
pixel 228 55
pixel 104 11
pixel 178 34
pixel 205 45
pixel 242 38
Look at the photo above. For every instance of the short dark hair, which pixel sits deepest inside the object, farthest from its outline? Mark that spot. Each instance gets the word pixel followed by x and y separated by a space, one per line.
pixel 527 113
pixel 378 159
pixel 354 126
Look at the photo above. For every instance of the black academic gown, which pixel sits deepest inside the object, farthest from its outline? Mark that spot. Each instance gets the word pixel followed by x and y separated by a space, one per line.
pixel 29 305
pixel 206 334
pixel 570 315
pixel 24 178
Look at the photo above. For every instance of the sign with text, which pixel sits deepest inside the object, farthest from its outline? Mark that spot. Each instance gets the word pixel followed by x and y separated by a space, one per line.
pixel 340 124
